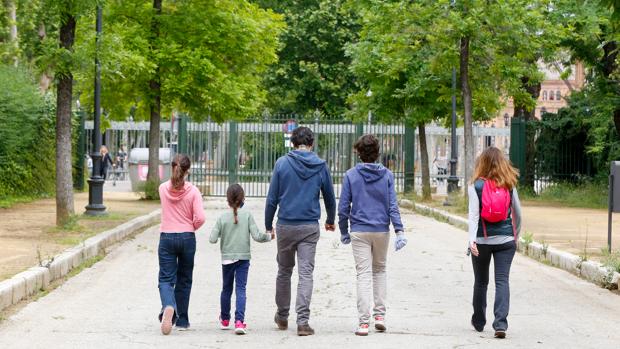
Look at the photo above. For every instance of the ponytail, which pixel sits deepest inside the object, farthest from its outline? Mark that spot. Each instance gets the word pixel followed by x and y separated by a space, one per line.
pixel 235 196
pixel 180 166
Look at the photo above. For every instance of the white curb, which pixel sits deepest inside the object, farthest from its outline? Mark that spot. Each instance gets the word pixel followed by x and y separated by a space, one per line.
pixel 31 281
pixel 592 271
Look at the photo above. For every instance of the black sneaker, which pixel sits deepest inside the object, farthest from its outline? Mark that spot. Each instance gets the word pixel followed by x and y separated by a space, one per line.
pixel 501 334
pixel 282 324
pixel 477 328
pixel 304 330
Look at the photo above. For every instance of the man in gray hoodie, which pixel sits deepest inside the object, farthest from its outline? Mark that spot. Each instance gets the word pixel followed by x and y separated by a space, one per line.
pixel 298 179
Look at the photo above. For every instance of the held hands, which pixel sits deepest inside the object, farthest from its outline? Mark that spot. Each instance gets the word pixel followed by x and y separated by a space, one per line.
pixel 401 241
pixel 272 233
pixel 330 227
pixel 345 238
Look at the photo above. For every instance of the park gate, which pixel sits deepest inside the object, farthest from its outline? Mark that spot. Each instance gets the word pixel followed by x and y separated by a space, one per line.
pixel 246 152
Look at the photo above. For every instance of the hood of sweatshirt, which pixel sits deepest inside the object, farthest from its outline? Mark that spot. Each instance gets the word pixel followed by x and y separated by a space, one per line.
pixel 371 172
pixel 305 163
pixel 173 194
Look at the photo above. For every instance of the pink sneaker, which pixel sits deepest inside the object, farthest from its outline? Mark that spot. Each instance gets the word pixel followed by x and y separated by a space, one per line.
pixel 166 320
pixel 362 330
pixel 224 324
pixel 380 323
pixel 240 327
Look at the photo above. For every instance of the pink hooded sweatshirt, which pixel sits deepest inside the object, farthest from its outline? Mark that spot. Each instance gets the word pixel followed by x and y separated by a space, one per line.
pixel 181 210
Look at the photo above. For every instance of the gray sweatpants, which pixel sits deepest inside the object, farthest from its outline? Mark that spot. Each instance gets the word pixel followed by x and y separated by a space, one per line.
pixel 300 240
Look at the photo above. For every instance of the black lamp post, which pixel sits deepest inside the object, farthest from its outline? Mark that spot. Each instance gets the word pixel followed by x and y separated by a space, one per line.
pixel 95 205
pixel 453 180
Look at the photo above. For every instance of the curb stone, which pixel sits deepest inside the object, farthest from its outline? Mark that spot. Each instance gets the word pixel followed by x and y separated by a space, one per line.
pixel 589 270
pixel 29 282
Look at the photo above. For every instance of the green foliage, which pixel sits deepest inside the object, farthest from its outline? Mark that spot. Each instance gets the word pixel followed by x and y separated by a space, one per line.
pixel 26 137
pixel 312 72
pixel 210 57
pixel 150 190
pixel 611 260
pixel 586 194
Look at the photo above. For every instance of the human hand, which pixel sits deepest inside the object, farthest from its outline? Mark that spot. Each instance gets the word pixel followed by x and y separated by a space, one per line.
pixel 474 249
pixel 401 241
pixel 330 227
pixel 345 238
pixel 273 234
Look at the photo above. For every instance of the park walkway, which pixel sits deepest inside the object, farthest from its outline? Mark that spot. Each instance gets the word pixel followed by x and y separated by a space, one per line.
pixel 114 304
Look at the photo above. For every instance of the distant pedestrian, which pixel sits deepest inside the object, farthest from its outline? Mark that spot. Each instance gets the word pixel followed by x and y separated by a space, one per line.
pixel 181 215
pixel 298 179
pixel 494 225
pixel 234 229
pixel 368 201
pixel 106 162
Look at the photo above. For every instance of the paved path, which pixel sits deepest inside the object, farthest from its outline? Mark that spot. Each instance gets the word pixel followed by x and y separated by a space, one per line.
pixel 114 304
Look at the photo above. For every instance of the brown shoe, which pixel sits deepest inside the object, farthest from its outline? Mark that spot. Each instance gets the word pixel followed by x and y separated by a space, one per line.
pixel 304 330
pixel 282 324
pixel 166 320
pixel 501 334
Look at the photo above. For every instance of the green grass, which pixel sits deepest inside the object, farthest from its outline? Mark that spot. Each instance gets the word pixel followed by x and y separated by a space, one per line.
pixel 586 195
pixel 611 260
pixel 8 202
pixel 85 265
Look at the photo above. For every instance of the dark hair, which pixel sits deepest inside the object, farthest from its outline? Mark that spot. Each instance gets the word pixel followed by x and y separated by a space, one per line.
pixel 235 197
pixel 367 148
pixel 180 166
pixel 302 136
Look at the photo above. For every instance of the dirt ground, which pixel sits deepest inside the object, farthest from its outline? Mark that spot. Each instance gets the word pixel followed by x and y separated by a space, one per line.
pixel 28 233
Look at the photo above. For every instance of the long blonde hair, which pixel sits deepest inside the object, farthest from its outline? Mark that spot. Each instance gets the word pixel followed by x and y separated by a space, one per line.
pixel 493 165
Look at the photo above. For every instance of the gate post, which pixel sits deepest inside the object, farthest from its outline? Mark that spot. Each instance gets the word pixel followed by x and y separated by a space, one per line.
pixel 182 135
pixel 409 158
pixel 78 182
pixel 233 152
pixel 517 145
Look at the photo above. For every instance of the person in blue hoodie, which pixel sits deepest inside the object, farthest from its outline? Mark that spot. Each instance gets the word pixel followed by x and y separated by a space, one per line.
pixel 298 179
pixel 368 202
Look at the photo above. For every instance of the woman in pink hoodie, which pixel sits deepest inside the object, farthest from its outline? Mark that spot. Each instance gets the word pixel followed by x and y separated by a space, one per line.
pixel 181 215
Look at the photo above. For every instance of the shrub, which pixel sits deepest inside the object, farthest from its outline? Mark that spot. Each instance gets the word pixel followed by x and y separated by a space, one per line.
pixel 27 151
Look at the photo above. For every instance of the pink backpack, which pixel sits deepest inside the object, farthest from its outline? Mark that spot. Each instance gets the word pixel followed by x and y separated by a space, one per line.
pixel 495 205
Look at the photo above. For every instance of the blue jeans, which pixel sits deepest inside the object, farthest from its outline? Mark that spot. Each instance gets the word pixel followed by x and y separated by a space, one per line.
pixel 502 258
pixel 176 266
pixel 236 273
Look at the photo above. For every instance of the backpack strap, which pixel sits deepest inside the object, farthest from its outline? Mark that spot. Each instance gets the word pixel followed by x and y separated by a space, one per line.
pixel 484 225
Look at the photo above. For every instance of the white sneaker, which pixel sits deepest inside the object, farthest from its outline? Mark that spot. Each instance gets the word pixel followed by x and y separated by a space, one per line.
pixel 362 330
pixel 380 323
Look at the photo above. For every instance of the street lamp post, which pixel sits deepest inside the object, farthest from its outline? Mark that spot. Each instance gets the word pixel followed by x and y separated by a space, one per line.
pixel 369 94
pixel 95 205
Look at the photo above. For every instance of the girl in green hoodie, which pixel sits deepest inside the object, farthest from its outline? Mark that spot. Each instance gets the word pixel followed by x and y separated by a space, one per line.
pixel 234 229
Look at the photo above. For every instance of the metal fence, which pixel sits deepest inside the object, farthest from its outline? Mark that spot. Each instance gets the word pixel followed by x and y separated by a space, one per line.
pixel 245 152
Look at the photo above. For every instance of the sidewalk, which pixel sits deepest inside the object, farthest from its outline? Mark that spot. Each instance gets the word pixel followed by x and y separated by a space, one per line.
pixel 115 303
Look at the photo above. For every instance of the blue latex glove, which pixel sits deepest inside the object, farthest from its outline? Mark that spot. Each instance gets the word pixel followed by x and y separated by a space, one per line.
pixel 401 240
pixel 345 238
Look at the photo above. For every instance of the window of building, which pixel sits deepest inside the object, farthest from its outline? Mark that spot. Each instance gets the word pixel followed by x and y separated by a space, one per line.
pixel 506 120
pixel 543 110
pixel 558 95
pixel 544 95
pixel 551 96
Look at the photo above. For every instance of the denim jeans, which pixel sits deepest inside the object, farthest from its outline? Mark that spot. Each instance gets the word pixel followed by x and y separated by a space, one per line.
pixel 237 274
pixel 502 258
pixel 176 266
pixel 297 240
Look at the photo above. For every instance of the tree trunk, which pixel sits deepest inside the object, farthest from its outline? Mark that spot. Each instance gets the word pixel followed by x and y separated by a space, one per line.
pixel 64 176
pixel 155 102
pixel 12 9
pixel 528 177
pixel 45 80
pixel 426 173
pixel 467 110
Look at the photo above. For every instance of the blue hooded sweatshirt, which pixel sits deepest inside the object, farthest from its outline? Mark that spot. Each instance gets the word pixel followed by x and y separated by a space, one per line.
pixel 368 200
pixel 297 180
